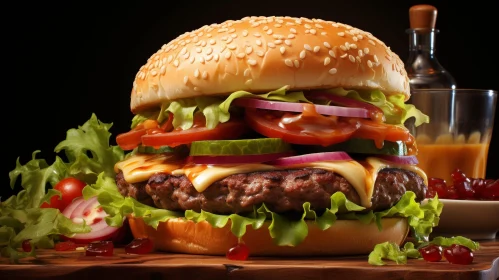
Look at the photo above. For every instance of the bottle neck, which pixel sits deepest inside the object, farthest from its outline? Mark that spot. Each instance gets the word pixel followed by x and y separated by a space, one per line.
pixel 422 40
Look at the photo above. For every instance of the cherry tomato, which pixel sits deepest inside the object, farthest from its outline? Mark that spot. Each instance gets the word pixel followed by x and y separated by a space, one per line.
pixel 70 189
pixel 306 128
pixel 228 130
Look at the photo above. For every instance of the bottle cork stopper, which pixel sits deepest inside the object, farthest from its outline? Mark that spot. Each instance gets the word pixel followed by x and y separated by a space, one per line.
pixel 422 16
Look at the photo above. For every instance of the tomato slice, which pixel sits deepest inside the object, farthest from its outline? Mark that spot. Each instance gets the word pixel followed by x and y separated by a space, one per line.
pixel 379 132
pixel 307 128
pixel 228 130
pixel 131 139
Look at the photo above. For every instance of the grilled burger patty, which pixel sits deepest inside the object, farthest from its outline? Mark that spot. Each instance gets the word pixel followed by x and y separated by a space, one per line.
pixel 282 191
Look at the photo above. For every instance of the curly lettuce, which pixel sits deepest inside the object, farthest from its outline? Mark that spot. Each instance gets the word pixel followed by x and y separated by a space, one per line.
pixel 216 108
pixel 88 155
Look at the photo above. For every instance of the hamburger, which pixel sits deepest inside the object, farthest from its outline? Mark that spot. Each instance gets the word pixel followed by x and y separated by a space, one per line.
pixel 285 134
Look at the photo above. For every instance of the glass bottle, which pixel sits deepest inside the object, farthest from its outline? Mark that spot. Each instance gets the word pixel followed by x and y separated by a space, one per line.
pixel 422 66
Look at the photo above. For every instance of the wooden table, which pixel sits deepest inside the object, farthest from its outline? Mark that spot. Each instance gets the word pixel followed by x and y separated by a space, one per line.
pixel 74 265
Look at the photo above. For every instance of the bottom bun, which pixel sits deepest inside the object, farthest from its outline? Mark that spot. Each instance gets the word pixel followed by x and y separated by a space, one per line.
pixel 345 237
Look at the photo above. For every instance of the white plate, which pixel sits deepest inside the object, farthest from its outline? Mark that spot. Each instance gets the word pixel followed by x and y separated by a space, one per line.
pixel 469 218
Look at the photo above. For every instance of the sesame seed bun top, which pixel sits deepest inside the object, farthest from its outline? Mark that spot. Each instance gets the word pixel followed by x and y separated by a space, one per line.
pixel 259 54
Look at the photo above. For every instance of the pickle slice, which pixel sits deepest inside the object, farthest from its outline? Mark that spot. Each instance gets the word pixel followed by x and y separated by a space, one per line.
pixel 239 147
pixel 360 146
pixel 161 150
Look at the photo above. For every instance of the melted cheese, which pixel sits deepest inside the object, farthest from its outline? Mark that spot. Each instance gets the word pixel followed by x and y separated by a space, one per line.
pixel 361 176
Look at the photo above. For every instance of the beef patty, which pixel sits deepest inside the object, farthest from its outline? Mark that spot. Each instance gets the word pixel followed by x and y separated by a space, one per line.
pixel 282 191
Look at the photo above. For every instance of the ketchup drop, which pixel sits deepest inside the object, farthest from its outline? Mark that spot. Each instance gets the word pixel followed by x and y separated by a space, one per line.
pixel 100 248
pixel 240 252
pixel 65 246
pixel 26 245
pixel 458 254
pixel 431 253
pixel 140 246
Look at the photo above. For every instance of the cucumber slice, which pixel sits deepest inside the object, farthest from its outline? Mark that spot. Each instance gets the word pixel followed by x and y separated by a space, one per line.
pixel 161 150
pixel 239 147
pixel 360 146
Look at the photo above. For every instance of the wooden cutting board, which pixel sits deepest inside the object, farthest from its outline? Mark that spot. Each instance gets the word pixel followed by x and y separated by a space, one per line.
pixel 75 265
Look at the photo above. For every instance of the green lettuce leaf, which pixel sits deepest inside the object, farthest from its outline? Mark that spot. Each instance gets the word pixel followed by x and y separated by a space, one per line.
pixel 88 154
pixel 393 106
pixel 392 251
pixel 284 231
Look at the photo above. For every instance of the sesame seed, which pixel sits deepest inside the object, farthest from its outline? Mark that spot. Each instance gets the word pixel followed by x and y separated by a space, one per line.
pixel 323 33
pixel 357 58
pixel 291 36
pixel 215 57
pixel 249 50
pixel 303 54
pixel 316 49
pixel 307 31
pixel 203 43
pixel 257 34
pixel 207 35
pixel 241 55
pixel 232 47
pixel 252 62
pixel 205 75
pixel 327 45
pixel 307 26
pixel 248 82
pixel 361 53
pixel 270 45
pixel 265 28
pixel 313 31
pixel 287 42
pixel 277 25
pixel 344 55
pixel 154 72
pixel 360 37
pixel 232 30
pixel 212 42
pixel 355 39
pixel 366 50
pixel 376 59
pixel 341 34
pixel 327 60
pixel 247 72
pixel 201 59
pixel 288 62
pixel 186 56
pixel 196 73
pixel 208 57
pixel 353 46
pixel 186 80
pixel 175 63
pixel 229 40
pixel 170 58
pixel 209 50
pixel 258 42
pixel 227 54
pixel 198 49
pixel 296 63
pixel 233 36
pixel 245 33
pixel 369 63
pixel 292 30
pixel 183 51
pixel 307 47
pixel 318 25
pixel 196 89
pixel 371 42
pixel 191 60
pixel 343 48
pixel 269 32
pixel 333 71
pixel 260 53
pixel 282 50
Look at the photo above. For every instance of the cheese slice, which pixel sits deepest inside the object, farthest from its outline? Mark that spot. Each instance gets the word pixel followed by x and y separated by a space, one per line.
pixel 362 177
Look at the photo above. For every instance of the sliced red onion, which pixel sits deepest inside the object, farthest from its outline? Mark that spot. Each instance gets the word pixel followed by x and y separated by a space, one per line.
pixel 329 156
pixel 298 107
pixel 405 160
pixel 375 113
pixel 89 211
pixel 237 159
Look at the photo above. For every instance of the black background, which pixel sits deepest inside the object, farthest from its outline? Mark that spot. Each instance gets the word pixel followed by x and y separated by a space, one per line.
pixel 62 62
